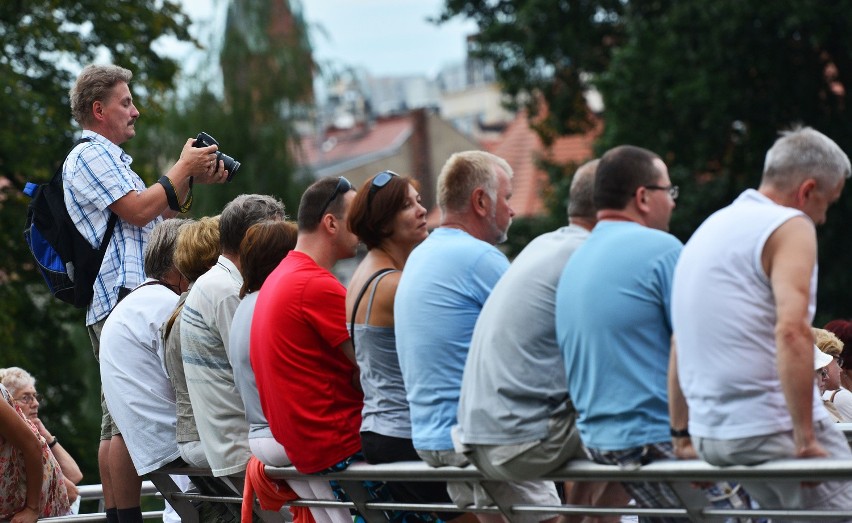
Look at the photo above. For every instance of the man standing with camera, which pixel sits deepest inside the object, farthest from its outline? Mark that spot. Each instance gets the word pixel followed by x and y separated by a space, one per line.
pixel 98 181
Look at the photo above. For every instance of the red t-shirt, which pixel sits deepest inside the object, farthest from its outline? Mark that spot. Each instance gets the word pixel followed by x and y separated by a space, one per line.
pixel 304 381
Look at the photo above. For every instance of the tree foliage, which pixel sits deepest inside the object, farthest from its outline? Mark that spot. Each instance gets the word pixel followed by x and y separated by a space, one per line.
pixel 707 85
pixel 266 85
pixel 44 43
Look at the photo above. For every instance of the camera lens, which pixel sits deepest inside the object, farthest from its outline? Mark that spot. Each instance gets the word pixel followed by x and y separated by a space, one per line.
pixel 231 165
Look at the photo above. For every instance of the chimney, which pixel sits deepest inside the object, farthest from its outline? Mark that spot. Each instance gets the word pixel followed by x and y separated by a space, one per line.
pixel 421 156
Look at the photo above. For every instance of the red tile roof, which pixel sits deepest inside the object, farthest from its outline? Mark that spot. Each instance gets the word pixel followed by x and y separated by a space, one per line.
pixel 522 148
pixel 383 136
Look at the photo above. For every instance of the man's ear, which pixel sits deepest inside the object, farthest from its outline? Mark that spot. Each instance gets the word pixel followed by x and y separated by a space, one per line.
pixel 806 190
pixel 640 199
pixel 330 223
pixel 98 109
pixel 480 202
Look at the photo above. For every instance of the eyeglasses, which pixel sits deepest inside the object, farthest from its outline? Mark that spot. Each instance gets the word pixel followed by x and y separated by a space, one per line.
pixel 28 398
pixel 343 186
pixel 379 181
pixel 673 190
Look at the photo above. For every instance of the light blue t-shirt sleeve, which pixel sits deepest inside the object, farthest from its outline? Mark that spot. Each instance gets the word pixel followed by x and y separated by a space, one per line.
pixel 664 272
pixel 485 273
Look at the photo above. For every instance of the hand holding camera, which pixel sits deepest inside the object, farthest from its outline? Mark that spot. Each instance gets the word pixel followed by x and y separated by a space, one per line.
pixel 230 164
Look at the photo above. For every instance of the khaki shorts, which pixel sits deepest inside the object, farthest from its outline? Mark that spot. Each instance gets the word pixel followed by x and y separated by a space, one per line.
pixel 108 427
pixel 782 494
pixel 483 494
pixel 530 460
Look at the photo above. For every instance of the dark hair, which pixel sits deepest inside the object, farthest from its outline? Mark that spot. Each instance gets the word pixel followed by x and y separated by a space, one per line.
pixel 241 213
pixel 313 200
pixel 265 245
pixel 843 330
pixel 370 218
pixel 620 172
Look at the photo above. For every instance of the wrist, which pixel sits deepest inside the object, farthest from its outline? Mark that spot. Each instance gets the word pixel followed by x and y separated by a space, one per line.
pixel 679 433
pixel 34 508
pixel 53 443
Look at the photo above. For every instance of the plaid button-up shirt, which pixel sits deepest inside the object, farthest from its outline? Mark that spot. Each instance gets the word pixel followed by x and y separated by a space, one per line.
pixel 96 174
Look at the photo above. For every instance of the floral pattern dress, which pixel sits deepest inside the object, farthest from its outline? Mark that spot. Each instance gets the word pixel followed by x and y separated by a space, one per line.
pixel 13 481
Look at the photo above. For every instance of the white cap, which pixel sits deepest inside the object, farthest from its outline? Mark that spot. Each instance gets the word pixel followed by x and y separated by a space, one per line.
pixel 821 359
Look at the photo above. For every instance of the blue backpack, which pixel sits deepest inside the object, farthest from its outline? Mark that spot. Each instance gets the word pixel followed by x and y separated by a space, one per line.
pixel 66 260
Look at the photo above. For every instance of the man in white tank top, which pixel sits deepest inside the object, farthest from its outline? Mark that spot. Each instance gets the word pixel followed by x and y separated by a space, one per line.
pixel 743 299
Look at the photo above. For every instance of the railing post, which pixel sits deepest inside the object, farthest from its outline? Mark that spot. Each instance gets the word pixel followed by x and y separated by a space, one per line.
pixel 185 509
pixel 360 496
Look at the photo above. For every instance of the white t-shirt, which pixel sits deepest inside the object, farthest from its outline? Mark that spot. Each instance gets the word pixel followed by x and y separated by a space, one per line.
pixel 138 393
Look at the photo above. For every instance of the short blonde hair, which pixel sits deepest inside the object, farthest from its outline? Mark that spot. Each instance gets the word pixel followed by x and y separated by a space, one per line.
pixel 197 247
pixel 465 172
pixel 15 379
pixel 828 342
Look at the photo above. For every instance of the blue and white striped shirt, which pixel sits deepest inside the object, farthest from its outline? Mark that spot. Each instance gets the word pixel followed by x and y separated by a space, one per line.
pixel 96 174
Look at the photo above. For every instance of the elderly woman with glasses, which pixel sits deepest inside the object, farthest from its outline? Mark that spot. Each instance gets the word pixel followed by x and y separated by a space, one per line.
pixel 388 218
pixel 31 483
pixel 21 385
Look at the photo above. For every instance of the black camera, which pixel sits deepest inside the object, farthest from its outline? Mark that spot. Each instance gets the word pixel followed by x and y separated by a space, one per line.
pixel 231 165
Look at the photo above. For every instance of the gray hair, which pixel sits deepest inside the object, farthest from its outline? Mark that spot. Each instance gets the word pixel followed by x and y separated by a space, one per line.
pixel 463 173
pixel 241 213
pixel 803 153
pixel 15 379
pixel 93 84
pixel 160 252
pixel 581 195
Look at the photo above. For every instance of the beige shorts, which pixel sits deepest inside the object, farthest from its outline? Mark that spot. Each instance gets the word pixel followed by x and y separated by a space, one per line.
pixel 529 460
pixel 483 494
pixel 108 426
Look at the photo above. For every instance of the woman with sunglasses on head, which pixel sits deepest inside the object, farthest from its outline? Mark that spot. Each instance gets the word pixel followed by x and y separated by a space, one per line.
pixel 21 385
pixel 388 218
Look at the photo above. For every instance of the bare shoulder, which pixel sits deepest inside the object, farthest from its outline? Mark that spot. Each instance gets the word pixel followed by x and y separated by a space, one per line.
pixel 792 243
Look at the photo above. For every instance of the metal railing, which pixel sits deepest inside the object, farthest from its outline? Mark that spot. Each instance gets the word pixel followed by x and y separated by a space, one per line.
pixel 678 474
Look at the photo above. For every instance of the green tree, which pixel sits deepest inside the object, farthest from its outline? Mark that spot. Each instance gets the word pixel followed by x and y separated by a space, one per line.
pixel 266 85
pixel 707 85
pixel 44 43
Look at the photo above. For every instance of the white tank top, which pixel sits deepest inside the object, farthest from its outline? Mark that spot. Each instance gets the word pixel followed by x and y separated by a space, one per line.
pixel 723 313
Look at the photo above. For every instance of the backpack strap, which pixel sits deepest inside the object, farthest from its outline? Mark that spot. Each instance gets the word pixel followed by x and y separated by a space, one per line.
pixel 358 300
pixel 113 218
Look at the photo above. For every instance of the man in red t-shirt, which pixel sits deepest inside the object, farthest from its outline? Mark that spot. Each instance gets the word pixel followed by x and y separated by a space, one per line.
pixel 302 356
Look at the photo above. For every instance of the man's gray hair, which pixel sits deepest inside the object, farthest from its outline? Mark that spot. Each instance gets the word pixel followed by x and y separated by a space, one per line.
pixel 581 195
pixel 241 213
pixel 160 252
pixel 803 153
pixel 93 84
pixel 465 172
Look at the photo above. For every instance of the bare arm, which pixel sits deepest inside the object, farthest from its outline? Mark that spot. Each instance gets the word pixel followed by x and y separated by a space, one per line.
pixel 349 351
pixel 678 409
pixel 142 207
pixel 789 257
pixel 69 467
pixel 15 431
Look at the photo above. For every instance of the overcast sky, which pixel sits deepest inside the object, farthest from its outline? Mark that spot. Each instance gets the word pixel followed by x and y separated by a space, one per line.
pixel 387 37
